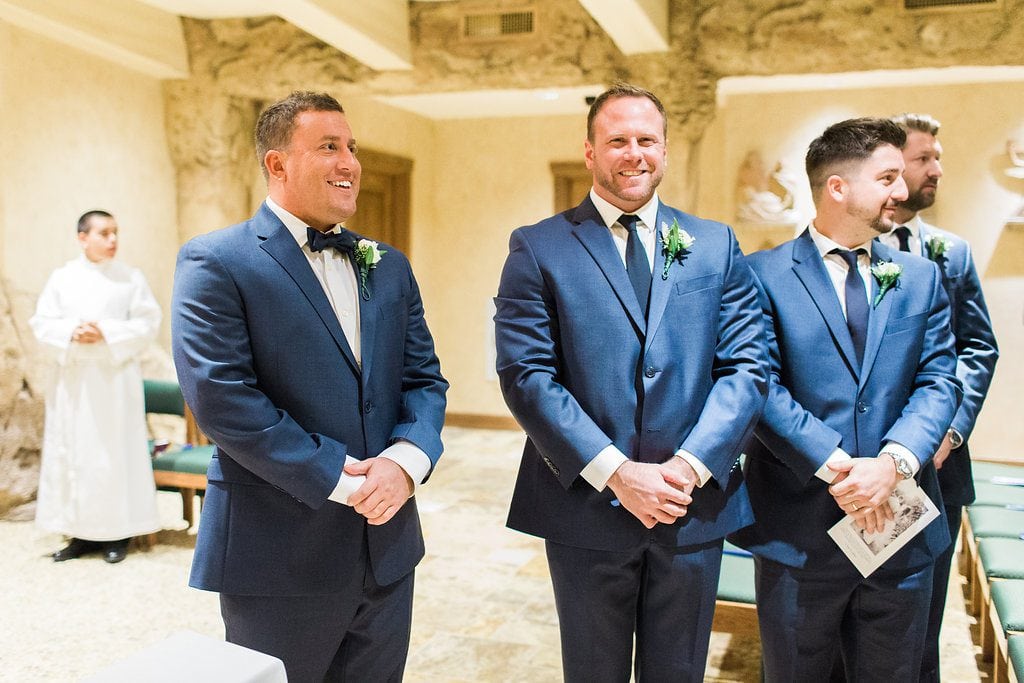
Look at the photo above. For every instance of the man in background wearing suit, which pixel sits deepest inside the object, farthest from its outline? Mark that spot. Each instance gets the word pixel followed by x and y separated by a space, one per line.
pixel 636 391
pixel 976 350
pixel 861 392
pixel 303 352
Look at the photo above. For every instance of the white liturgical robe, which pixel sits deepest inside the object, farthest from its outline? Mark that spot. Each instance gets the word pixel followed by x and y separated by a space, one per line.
pixel 96 480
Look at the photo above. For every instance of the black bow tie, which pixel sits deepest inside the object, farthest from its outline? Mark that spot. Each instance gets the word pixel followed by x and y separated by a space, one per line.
pixel 344 241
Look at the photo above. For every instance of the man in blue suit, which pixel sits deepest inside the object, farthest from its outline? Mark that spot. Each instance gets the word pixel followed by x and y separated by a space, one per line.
pixel 636 391
pixel 976 350
pixel 861 392
pixel 303 352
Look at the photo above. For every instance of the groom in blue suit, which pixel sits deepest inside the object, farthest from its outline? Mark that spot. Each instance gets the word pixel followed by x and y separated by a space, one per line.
pixel 976 350
pixel 861 393
pixel 636 391
pixel 303 352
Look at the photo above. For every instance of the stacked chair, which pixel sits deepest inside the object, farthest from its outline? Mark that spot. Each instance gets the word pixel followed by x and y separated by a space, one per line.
pixel 993 561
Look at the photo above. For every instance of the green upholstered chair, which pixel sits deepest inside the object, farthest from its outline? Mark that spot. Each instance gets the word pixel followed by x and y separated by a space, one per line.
pixel 1015 649
pixel 1006 620
pixel 183 468
pixel 735 609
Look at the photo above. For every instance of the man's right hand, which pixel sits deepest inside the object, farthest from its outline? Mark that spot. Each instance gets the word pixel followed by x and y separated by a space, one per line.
pixel 650 493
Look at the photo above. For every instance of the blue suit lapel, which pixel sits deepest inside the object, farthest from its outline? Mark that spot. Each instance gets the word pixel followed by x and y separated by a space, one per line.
pixel 591 231
pixel 878 317
pixel 368 313
pixel 281 246
pixel 661 288
pixel 810 269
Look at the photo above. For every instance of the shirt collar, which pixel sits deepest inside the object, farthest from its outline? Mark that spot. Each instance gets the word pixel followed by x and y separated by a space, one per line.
pixel 826 244
pixel 914 225
pixel 610 213
pixel 296 226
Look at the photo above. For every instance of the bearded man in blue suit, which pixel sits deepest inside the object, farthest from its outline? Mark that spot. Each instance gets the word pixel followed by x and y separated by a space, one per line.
pixel 303 352
pixel 636 391
pixel 861 393
pixel 976 350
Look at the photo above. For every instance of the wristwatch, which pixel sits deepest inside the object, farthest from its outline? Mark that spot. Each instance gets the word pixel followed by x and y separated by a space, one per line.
pixel 956 439
pixel 902 465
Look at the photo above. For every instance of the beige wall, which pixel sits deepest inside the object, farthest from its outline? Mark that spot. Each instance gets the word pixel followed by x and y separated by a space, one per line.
pixel 975 196
pixel 81 133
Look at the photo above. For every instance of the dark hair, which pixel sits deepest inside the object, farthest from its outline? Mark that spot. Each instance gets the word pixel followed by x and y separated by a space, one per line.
pixel 277 122
pixel 919 122
pixel 85 218
pixel 846 141
pixel 615 92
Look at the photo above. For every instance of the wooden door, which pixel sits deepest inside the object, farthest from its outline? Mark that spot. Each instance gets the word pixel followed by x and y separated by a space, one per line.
pixel 382 209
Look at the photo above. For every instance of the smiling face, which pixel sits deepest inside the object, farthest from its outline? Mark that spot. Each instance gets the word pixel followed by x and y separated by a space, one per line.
pixel 316 177
pixel 627 155
pixel 99 242
pixel 875 187
pixel 921 155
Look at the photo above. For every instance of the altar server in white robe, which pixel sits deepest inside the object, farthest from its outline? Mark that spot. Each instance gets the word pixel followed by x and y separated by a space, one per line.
pixel 94 317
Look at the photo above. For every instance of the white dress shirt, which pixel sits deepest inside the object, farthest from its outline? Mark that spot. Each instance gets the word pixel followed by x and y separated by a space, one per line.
pixel 336 275
pixel 600 469
pixel 837 268
pixel 889 239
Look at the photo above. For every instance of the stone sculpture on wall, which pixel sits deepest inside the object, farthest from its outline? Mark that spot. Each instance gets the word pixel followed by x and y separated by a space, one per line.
pixel 1016 154
pixel 763 197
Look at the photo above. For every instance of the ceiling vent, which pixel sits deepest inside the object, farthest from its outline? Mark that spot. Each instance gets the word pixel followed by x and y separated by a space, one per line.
pixel 498 25
pixel 914 5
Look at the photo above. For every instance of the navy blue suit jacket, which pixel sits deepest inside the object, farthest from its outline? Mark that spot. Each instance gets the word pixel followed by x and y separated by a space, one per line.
pixel 265 367
pixel 819 399
pixel 976 355
pixel 581 368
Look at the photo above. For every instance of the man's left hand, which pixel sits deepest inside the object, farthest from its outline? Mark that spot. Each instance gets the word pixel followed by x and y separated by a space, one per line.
pixel 385 491
pixel 945 448
pixel 679 470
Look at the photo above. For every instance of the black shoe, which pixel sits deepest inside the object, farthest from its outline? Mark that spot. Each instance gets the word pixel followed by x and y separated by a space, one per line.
pixel 115 551
pixel 75 549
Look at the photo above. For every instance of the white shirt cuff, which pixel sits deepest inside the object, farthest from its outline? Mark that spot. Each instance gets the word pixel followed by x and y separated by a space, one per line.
pixel 405 454
pixel 900 449
pixel 703 473
pixel 599 470
pixel 410 458
pixel 347 484
pixel 827 475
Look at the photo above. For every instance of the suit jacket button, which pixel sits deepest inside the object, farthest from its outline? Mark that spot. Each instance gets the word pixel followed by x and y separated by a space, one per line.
pixel 862 407
pixel 649 372
pixel 367 407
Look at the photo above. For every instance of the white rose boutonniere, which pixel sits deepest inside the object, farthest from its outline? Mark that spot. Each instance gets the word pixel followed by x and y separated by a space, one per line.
pixel 675 245
pixel 937 246
pixel 887 274
pixel 367 255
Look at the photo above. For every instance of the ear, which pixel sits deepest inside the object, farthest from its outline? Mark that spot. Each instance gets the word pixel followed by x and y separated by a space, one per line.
pixel 273 161
pixel 83 237
pixel 588 154
pixel 836 188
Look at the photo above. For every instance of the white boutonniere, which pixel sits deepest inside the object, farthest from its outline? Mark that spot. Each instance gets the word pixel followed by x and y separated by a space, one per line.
pixel 675 245
pixel 887 274
pixel 937 246
pixel 367 255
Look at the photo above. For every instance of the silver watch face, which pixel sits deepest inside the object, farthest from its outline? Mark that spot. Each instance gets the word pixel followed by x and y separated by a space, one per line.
pixel 903 467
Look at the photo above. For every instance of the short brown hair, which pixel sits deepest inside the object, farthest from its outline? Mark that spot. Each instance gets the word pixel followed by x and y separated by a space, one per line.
pixel 277 122
pixel 846 141
pixel 617 91
pixel 919 122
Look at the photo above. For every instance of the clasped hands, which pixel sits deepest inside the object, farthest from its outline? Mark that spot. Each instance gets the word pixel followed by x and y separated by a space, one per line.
pixel 652 492
pixel 862 487
pixel 87 333
pixel 385 491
